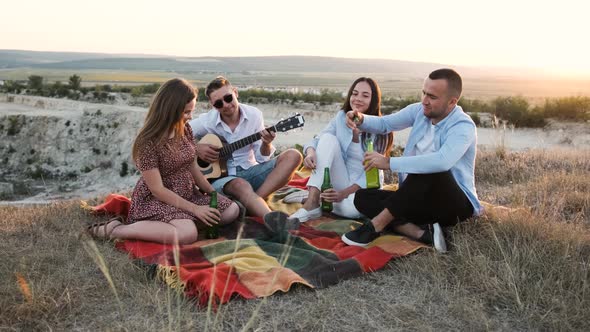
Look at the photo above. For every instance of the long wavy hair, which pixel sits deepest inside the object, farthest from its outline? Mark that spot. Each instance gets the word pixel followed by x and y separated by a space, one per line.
pixel 165 115
pixel 382 143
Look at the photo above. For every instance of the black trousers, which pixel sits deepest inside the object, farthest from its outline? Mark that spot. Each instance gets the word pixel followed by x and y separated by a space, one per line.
pixel 421 199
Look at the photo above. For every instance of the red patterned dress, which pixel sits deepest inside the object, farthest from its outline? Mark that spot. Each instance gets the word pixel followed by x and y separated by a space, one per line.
pixel 176 175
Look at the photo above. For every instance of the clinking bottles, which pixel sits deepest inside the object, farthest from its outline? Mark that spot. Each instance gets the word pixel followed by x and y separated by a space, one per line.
pixel 327 184
pixel 372 174
pixel 212 232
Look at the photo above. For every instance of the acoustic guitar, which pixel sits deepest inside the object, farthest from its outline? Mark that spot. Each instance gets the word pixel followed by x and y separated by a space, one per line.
pixel 218 169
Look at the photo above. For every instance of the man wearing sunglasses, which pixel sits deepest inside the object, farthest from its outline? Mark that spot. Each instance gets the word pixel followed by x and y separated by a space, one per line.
pixel 252 173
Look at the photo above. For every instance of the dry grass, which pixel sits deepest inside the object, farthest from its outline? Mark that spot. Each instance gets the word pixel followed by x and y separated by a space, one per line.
pixel 526 271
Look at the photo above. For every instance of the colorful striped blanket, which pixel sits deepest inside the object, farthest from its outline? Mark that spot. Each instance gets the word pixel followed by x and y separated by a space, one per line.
pixel 251 261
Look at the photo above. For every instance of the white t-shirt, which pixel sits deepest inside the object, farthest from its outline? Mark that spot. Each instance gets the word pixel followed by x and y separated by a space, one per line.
pixel 426 144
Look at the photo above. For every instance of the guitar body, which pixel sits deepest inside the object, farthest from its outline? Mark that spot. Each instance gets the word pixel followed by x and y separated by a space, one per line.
pixel 215 170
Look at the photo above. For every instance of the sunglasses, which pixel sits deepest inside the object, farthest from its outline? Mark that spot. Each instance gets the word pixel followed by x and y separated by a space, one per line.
pixel 228 98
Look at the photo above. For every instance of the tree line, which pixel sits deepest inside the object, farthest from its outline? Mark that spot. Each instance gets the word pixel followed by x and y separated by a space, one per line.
pixel 73 89
pixel 515 110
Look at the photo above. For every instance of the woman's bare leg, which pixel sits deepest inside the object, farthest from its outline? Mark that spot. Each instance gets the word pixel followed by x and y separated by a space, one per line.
pixel 230 214
pixel 177 231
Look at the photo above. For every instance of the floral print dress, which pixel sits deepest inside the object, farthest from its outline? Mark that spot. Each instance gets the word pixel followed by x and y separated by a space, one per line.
pixel 174 167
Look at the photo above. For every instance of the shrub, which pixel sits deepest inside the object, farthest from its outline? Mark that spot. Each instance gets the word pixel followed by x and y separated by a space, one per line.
pixel 476 119
pixel 15 124
pixel 74 82
pixel 392 104
pixel 475 106
pixel 13 87
pixel 39 173
pixel 136 91
pixel 35 82
pixel 124 169
pixel 568 108
pixel 516 111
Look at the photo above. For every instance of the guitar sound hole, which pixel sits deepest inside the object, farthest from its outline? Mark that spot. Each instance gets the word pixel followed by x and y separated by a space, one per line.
pixel 202 163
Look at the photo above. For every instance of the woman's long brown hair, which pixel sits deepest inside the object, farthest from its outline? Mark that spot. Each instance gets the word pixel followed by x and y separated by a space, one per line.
pixel 165 114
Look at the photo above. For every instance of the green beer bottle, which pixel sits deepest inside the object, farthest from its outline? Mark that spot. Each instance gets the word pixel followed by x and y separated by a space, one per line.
pixel 327 184
pixel 212 232
pixel 372 175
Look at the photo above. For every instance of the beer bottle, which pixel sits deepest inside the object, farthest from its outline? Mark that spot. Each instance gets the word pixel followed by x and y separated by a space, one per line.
pixel 327 184
pixel 212 232
pixel 372 174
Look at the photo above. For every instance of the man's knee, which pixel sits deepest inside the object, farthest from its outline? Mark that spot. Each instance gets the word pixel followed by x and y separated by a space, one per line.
pixel 238 187
pixel 291 156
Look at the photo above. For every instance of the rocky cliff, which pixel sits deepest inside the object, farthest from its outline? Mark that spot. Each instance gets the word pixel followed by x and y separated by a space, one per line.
pixel 52 142
pixel 58 148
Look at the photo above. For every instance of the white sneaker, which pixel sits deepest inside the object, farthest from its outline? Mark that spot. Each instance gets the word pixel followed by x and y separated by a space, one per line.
pixel 303 215
pixel 438 238
pixel 296 197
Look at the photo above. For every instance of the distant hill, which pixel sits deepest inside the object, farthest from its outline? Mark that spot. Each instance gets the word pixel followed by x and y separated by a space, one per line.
pixel 21 58
pixel 299 64
pixel 395 77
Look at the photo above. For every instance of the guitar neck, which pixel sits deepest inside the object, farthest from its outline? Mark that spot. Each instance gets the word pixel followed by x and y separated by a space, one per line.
pixel 228 149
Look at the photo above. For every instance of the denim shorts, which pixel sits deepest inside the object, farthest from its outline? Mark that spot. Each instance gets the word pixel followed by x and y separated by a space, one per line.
pixel 255 175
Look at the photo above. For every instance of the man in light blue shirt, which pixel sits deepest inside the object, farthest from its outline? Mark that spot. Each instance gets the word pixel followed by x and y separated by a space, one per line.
pixel 436 171
pixel 252 173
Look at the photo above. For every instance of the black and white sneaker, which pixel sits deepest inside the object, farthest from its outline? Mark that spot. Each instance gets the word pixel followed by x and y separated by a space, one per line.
pixel 434 236
pixel 361 236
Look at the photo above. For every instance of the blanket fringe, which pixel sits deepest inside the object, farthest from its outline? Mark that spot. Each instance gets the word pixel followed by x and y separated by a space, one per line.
pixel 169 275
pixel 84 206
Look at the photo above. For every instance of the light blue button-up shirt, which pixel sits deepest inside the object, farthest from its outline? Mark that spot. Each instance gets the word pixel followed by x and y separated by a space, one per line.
pixel 251 122
pixel 455 140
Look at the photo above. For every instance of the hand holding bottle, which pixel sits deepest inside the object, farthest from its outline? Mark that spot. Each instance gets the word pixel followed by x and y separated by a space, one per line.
pixel 375 160
pixel 207 215
pixel 354 118
pixel 332 195
pixel 212 232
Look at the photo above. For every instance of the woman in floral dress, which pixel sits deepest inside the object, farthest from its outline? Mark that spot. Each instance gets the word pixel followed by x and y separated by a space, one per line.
pixel 171 195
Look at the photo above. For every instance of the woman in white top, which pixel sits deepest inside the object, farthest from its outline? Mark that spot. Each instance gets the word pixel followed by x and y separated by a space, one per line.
pixel 346 162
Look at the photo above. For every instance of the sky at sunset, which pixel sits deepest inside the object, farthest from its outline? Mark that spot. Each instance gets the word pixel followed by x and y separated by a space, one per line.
pixel 549 35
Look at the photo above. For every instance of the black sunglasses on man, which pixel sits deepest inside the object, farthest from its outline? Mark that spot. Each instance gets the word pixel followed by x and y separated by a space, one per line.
pixel 228 98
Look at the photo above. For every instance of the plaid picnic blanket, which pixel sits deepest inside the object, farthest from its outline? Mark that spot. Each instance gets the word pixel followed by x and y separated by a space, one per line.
pixel 251 261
